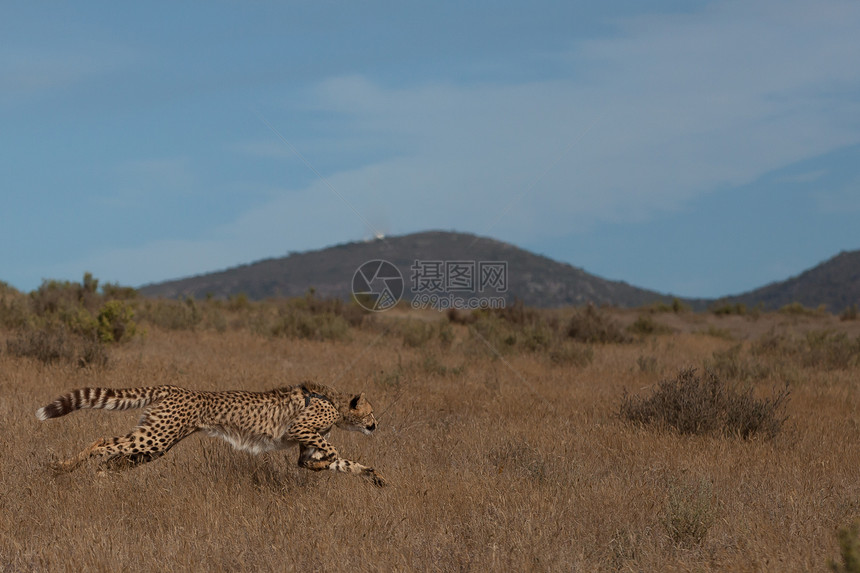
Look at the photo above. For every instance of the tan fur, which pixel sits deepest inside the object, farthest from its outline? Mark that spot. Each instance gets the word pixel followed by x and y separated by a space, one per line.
pixel 252 421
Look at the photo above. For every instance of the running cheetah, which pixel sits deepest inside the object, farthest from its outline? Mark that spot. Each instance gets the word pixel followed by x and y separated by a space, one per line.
pixel 252 421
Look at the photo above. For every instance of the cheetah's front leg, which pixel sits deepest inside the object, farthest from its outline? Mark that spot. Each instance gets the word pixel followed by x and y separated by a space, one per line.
pixel 316 454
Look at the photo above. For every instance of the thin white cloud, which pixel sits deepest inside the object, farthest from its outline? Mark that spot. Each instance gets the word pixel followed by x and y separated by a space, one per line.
pixel 669 108
pixel 681 105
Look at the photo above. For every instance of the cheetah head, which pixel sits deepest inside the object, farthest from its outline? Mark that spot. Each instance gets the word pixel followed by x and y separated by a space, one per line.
pixel 358 415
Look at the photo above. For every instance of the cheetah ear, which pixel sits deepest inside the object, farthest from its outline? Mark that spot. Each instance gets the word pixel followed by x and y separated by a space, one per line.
pixel 353 404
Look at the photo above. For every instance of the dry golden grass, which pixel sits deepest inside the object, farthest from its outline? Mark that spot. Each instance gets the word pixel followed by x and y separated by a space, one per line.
pixel 496 463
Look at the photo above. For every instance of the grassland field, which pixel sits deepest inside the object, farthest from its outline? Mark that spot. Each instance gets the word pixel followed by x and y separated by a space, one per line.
pixel 502 441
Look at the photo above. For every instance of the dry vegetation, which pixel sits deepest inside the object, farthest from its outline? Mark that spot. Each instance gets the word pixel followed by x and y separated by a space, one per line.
pixel 504 436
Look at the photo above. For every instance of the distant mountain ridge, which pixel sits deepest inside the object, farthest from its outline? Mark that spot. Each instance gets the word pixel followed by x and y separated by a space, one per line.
pixel 835 283
pixel 534 279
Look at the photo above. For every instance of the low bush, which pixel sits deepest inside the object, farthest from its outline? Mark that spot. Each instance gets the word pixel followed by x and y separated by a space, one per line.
pixel 677 307
pixel 831 350
pixel 458 316
pixel 293 323
pixel 728 309
pixel 593 326
pixel 14 307
pixel 693 404
pixel 518 314
pixel 797 309
pixel 57 344
pixel 850 313
pixel 415 333
pixel 849 549
pixel 820 349
pixel 733 364
pixel 171 314
pixel 645 325
pixel 570 353
pixel 352 313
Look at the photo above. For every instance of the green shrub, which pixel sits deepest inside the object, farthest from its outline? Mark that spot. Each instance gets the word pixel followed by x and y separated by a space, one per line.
pixel 113 291
pixel 79 307
pixel 116 322
pixel 79 321
pixel 797 309
pixel 54 297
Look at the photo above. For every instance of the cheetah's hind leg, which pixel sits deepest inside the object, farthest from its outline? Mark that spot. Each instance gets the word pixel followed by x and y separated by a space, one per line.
pixel 73 463
pixel 117 453
pixel 122 462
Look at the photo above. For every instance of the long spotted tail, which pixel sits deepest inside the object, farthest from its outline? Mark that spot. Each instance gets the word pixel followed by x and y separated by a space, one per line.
pixel 105 398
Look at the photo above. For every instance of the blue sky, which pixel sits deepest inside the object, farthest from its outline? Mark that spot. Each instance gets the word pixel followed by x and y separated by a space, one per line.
pixel 695 148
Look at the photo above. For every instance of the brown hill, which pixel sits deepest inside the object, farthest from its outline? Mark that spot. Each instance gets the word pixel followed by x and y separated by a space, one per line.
pixel 834 283
pixel 535 279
